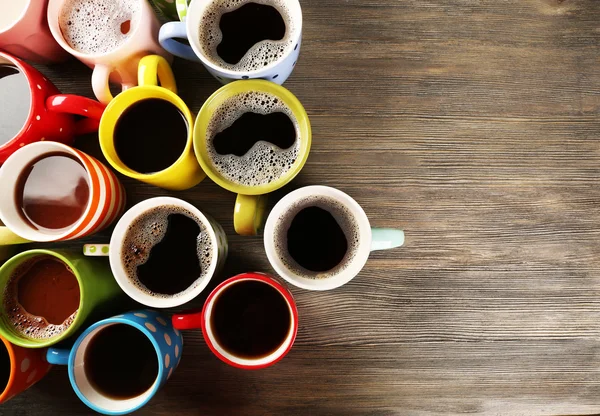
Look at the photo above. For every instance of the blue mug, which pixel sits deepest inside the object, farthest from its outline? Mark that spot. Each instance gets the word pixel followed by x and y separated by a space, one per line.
pixel 166 340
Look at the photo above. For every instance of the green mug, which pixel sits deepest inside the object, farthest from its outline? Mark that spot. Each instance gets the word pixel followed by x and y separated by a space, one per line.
pixel 97 287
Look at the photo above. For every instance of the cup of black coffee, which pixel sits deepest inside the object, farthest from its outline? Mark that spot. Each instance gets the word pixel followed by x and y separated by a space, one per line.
pixel 164 251
pixel 319 238
pixel 252 138
pixel 239 39
pixel 249 321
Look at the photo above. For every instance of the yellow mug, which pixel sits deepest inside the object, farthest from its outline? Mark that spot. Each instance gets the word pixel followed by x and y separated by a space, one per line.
pixel 185 172
pixel 249 212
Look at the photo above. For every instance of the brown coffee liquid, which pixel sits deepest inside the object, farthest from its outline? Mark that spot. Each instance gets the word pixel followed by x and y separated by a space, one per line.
pixel 53 192
pixel 4 367
pixel 250 319
pixel 121 362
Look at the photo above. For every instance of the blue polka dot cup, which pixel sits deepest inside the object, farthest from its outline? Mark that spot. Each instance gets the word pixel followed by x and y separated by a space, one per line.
pixel 166 340
pixel 273 60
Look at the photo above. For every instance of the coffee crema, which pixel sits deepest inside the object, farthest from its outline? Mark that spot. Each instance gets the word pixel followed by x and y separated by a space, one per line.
pixel 167 251
pixel 98 26
pixel 264 162
pixel 259 54
pixel 317 237
pixel 42 297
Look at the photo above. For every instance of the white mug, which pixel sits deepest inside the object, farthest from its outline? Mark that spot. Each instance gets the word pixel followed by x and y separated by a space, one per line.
pixel 120 65
pixel 277 71
pixel 368 239
pixel 114 251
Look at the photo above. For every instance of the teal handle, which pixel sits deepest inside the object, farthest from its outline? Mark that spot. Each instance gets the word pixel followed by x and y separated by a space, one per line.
pixel 386 238
pixel 58 356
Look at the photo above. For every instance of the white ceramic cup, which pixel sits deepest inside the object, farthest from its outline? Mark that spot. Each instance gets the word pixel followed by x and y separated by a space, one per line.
pixel 114 251
pixel 121 63
pixel 369 239
pixel 277 71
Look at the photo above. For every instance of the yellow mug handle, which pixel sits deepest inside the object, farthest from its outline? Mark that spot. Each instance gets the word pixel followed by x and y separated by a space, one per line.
pixel 8 238
pixel 249 214
pixel 154 69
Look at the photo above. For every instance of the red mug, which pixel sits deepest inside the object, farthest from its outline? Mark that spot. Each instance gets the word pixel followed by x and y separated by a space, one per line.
pixel 51 114
pixel 226 354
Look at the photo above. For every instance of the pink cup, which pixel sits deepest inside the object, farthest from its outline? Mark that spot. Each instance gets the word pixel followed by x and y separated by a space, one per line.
pixel 28 35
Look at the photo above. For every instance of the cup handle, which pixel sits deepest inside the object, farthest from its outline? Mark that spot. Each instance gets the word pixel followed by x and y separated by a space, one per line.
pixel 182 9
pixel 249 214
pixel 96 250
pixel 153 69
pixel 74 104
pixel 7 237
pixel 183 321
pixel 386 238
pixel 167 36
pixel 57 356
pixel 100 79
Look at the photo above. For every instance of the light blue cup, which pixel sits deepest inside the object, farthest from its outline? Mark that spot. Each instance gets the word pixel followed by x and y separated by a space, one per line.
pixel 189 29
pixel 167 342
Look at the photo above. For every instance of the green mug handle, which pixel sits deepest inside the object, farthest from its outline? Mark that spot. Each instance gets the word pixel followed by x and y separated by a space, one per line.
pixel 96 250
pixel 182 9
pixel 386 238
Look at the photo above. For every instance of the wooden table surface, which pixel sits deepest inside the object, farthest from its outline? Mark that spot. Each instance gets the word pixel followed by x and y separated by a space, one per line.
pixel 474 125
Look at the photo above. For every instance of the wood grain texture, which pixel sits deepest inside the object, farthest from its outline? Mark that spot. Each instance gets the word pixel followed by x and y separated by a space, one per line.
pixel 472 124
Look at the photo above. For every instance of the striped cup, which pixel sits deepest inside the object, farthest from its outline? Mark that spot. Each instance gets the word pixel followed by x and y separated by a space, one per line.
pixel 105 203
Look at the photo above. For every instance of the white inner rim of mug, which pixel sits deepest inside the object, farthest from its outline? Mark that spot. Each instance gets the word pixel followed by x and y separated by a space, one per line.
pixel 92 395
pixel 25 4
pixel 245 361
pixel 7 60
pixel 192 21
pixel 10 173
pixel 121 275
pixel 345 274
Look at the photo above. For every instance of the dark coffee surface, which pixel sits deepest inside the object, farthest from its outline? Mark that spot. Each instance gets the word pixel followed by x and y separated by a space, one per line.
pixel 15 101
pixel 245 26
pixel 121 362
pixel 4 367
pixel 315 240
pixel 250 319
pixel 150 135
pixel 275 128
pixel 173 264
pixel 53 192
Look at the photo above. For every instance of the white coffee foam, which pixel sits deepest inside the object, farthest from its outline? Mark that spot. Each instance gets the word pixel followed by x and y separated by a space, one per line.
pixel 148 230
pixel 258 56
pixel 94 26
pixel 264 162
pixel 24 323
pixel 345 219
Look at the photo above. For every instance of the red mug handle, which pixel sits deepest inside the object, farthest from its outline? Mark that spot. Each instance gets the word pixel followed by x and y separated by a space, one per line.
pixel 184 321
pixel 74 104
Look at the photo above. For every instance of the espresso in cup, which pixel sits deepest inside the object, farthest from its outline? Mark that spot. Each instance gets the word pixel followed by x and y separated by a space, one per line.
pixel 96 27
pixel 245 36
pixel 253 139
pixel 151 135
pixel 317 237
pixel 15 101
pixel 53 192
pixel 167 251
pixel 41 298
pixel 120 362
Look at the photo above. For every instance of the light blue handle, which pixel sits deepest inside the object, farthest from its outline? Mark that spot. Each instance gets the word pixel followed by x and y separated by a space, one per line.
pixel 167 39
pixel 58 356
pixel 386 238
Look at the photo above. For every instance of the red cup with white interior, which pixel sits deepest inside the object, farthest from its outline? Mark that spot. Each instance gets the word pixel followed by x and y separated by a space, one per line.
pixel 32 109
pixel 249 321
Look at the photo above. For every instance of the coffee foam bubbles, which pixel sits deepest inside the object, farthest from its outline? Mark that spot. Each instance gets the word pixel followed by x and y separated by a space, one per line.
pixel 264 162
pixel 345 219
pixel 259 55
pixel 24 323
pixel 95 26
pixel 148 230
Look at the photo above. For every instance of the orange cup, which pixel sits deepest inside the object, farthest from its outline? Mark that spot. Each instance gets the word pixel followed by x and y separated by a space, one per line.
pixel 20 368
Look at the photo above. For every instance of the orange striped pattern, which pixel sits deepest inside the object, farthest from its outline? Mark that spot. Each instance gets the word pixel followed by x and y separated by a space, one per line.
pixel 107 197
